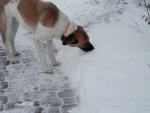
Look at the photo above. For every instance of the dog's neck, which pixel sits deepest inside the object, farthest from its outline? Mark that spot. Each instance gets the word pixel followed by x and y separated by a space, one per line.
pixel 70 28
pixel 64 27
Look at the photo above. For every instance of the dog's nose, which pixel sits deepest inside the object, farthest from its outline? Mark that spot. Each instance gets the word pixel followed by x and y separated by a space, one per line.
pixel 88 48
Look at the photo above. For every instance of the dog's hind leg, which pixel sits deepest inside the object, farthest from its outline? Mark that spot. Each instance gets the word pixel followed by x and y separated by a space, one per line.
pixel 3 26
pixel 3 32
pixel 51 53
pixel 10 57
pixel 15 26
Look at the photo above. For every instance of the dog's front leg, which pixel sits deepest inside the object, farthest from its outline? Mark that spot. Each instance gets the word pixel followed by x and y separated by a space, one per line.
pixel 41 57
pixel 51 53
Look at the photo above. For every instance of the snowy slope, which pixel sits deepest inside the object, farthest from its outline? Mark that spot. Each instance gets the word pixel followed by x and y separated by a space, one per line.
pixel 115 77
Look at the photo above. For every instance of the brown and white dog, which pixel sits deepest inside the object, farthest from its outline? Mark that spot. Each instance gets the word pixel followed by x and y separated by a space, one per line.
pixel 46 22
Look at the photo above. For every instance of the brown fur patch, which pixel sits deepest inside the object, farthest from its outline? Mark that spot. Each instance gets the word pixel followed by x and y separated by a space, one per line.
pixel 28 10
pixel 81 35
pixel 49 14
pixel 34 11
pixel 2 19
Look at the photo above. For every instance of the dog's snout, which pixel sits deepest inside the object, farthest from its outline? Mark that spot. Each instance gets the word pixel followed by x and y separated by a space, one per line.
pixel 88 48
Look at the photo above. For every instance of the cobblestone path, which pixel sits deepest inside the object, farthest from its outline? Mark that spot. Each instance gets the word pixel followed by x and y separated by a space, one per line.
pixel 21 85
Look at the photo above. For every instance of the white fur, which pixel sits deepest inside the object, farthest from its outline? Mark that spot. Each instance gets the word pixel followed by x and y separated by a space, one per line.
pixel 72 27
pixel 41 34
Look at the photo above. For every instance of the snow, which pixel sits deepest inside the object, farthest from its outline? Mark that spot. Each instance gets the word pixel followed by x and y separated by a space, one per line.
pixel 115 77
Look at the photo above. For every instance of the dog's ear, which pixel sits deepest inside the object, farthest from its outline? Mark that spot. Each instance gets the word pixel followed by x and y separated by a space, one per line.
pixel 67 40
pixel 80 27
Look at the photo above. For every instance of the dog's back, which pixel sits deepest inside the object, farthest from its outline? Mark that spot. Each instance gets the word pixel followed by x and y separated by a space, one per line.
pixel 31 11
pixel 35 11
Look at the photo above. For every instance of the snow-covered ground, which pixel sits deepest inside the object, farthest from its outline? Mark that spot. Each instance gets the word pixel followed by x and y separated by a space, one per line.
pixel 115 77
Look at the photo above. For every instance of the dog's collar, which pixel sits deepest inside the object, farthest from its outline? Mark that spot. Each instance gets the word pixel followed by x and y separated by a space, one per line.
pixel 66 29
pixel 69 29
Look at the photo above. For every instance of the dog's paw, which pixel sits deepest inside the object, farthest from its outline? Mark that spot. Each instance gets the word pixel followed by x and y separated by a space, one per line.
pixel 13 61
pixel 56 63
pixel 7 62
pixel 16 54
pixel 50 71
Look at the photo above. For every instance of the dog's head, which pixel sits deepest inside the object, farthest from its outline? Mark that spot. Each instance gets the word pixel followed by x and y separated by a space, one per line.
pixel 78 38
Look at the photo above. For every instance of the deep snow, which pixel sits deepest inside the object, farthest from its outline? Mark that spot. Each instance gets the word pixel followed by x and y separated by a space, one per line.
pixel 115 77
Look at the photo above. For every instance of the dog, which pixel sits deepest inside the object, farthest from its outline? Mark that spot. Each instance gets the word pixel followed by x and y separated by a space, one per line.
pixel 46 22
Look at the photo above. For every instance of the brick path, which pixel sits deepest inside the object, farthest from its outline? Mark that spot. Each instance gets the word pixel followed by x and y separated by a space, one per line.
pixel 21 85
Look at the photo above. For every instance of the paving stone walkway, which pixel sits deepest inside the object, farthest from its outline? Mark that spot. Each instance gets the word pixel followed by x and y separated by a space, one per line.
pixel 22 85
